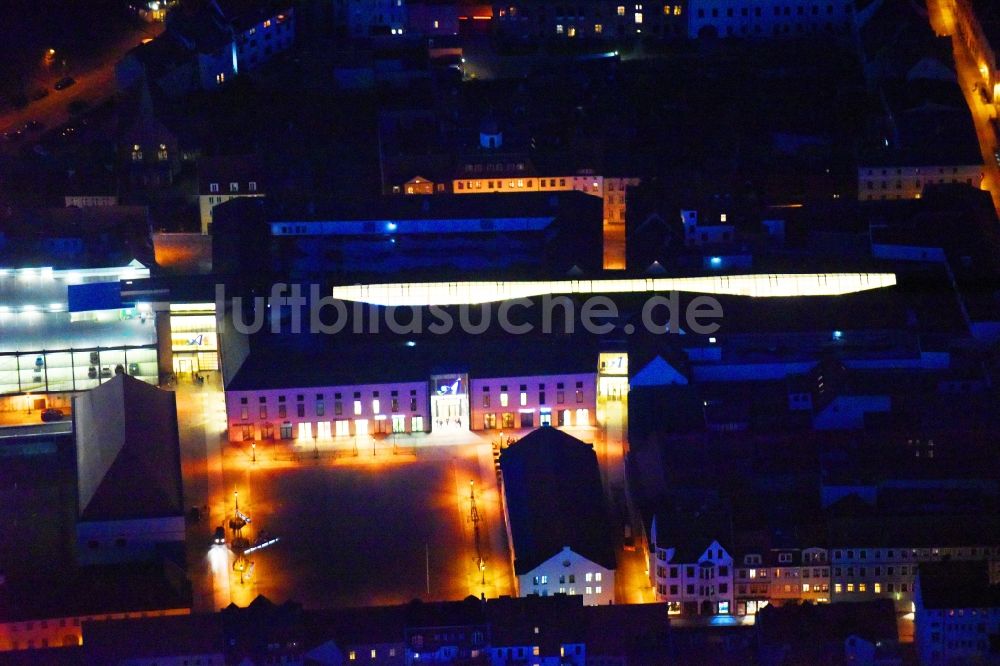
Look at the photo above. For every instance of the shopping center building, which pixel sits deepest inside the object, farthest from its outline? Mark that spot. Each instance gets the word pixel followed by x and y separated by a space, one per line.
pixel 398 385
pixel 66 330
pixel 63 331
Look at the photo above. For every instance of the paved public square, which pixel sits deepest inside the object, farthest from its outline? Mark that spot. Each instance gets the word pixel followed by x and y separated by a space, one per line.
pixel 367 529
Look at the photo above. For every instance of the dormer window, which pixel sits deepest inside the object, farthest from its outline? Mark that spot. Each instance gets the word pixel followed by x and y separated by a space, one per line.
pixel 161 153
pixel 213 187
pixel 234 187
pixel 136 153
pixel 252 186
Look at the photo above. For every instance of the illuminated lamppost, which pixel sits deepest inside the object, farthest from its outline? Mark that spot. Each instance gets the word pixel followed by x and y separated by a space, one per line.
pixel 253 451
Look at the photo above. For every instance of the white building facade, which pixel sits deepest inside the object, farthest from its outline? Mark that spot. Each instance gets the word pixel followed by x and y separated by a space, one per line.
pixel 703 586
pixel 768 18
pixel 568 572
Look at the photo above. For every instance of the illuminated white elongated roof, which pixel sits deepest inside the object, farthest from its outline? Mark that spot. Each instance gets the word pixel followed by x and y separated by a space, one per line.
pixel 758 286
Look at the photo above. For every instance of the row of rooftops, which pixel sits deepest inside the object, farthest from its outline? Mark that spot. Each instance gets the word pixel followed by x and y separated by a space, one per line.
pixel 850 524
pixel 637 633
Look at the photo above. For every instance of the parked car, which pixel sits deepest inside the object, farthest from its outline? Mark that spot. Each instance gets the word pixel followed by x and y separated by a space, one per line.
pixel 64 82
pixel 52 414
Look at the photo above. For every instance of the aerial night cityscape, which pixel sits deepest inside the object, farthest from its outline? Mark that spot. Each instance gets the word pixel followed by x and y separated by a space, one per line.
pixel 510 333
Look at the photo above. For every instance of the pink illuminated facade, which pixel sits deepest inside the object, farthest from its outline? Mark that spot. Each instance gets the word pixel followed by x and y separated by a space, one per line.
pixel 444 402
pixel 528 402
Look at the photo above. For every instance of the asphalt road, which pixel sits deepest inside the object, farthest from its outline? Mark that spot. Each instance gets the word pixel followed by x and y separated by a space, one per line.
pixel 95 82
pixel 943 21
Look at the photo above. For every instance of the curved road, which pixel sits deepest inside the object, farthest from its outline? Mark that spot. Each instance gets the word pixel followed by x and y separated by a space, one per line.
pixel 94 83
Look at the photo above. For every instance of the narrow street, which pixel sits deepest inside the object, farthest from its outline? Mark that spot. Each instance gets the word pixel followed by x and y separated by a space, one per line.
pixel 95 82
pixel 942 15
pixel 201 420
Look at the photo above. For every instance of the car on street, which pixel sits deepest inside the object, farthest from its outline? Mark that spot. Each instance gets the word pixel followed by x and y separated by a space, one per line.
pixel 14 135
pixel 64 82
pixel 33 126
pixel 52 414
pixel 220 536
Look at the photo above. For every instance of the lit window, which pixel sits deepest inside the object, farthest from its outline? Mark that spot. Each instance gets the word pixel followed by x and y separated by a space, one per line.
pixel 161 154
pixel 503 399
pixel 862 587
pixel 805 587
pixel 351 655
pixel 252 186
pixel 572 33
pixel 267 24
pixel 878 588
pixel 375 406
pixel 213 187
pixel 357 407
pixel 524 398
pixel 436 25
pixel 597 577
pixel 621 10
pixel 597 590
pixel 535 650
pixel 838 588
pixel 677 10
pixel 598 28
pixel 373 653
pixel 559 29
pixel 590 577
pixel 136 153
pixel 234 187
pixel 220 78
pixel 850 587
pixel 638 17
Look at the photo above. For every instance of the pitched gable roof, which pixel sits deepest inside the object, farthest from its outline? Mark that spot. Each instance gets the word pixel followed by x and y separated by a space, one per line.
pixel 658 373
pixel 128 458
pixel 554 496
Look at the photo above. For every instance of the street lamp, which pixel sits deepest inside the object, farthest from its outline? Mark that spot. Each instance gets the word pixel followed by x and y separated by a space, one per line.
pixel 253 450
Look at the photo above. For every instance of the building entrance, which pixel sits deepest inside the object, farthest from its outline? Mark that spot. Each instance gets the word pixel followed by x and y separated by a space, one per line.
pixel 449 402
